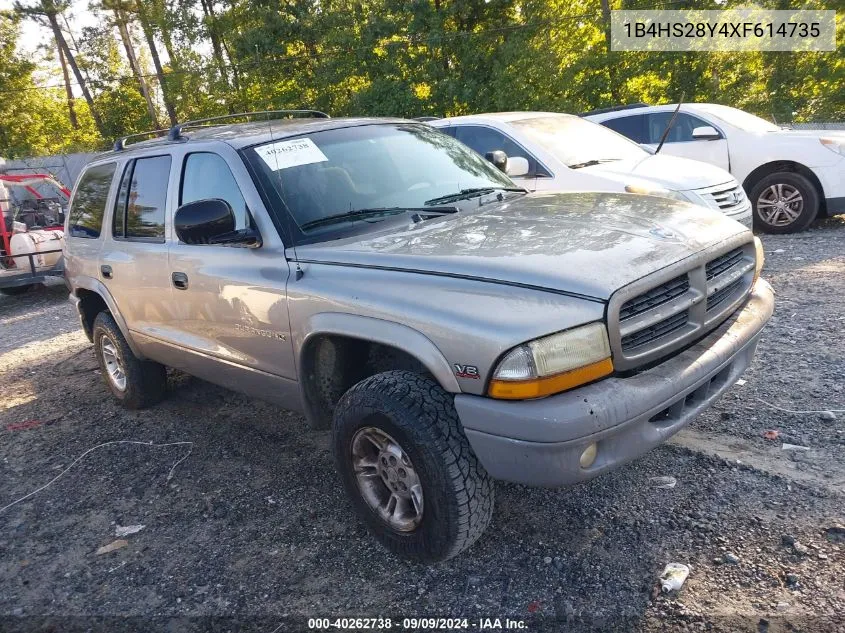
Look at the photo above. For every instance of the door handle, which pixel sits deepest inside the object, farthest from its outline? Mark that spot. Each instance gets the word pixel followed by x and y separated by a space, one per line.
pixel 106 270
pixel 180 280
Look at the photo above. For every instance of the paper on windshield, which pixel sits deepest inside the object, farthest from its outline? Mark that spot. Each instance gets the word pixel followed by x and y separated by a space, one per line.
pixel 286 154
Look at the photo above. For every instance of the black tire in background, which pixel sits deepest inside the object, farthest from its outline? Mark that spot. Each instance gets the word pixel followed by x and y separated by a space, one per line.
pixel 145 381
pixel 457 493
pixel 795 192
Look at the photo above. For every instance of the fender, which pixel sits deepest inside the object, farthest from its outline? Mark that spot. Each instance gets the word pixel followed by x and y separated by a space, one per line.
pixel 387 333
pixel 95 285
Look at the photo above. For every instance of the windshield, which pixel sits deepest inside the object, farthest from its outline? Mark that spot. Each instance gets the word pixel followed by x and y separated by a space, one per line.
pixel 738 118
pixel 365 167
pixel 576 142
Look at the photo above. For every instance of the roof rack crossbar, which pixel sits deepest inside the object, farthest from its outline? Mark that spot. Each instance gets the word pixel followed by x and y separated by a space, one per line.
pixel 175 132
pixel 120 144
pixel 630 106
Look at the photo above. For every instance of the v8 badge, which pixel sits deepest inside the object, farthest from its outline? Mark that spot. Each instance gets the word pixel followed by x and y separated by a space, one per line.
pixel 466 371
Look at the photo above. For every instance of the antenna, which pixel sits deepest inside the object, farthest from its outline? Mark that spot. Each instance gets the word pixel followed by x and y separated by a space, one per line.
pixel 669 125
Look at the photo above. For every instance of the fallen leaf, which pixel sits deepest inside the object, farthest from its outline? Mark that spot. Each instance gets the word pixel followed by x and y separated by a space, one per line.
pixel 771 434
pixel 111 547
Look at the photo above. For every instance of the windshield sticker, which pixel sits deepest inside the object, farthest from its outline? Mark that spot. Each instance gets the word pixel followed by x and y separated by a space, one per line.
pixel 285 154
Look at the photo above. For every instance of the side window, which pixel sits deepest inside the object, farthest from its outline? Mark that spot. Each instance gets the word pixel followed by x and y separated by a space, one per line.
pixel 89 201
pixel 681 131
pixel 631 126
pixel 206 175
pixel 484 139
pixel 140 207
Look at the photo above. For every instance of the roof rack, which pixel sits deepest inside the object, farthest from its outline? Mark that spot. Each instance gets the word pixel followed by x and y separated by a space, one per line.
pixel 175 132
pixel 630 106
pixel 120 144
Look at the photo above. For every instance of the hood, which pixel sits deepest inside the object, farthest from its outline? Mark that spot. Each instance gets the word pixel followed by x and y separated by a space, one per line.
pixel 670 172
pixel 814 134
pixel 586 244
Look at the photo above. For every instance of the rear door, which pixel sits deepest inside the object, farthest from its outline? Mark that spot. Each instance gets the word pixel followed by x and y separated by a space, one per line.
pixel 232 300
pixel 84 233
pixel 133 262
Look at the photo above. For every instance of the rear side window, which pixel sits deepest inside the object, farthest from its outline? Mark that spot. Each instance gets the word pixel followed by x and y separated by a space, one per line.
pixel 140 208
pixel 89 201
pixel 634 127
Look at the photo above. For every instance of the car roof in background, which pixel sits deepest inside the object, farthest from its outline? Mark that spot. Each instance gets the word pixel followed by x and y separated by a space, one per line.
pixel 507 117
pixel 240 135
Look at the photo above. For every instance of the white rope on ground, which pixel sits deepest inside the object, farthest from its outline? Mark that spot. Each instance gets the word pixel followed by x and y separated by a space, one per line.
pixel 190 446
pixel 774 406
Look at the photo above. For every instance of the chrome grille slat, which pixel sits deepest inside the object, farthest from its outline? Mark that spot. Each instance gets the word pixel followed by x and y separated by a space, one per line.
pixel 723 196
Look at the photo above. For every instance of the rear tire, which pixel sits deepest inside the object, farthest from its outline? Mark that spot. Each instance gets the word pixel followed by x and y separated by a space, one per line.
pixel 14 291
pixel 784 202
pixel 409 420
pixel 135 383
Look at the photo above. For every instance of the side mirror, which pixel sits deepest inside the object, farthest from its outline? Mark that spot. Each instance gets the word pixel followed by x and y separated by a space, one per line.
pixel 517 166
pixel 498 158
pixel 706 133
pixel 211 221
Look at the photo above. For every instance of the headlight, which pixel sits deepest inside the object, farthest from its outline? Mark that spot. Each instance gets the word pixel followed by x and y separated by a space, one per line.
pixel 553 364
pixel 834 145
pixel 759 259
pixel 656 191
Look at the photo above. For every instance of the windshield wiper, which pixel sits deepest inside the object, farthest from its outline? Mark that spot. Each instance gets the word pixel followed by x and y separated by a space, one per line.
pixel 590 163
pixel 466 194
pixel 359 214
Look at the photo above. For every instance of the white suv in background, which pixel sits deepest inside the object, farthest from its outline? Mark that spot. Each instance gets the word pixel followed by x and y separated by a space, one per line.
pixel 791 176
pixel 562 152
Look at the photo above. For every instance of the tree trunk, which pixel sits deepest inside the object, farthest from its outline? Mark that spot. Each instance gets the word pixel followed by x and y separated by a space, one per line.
pixel 143 88
pixel 60 39
pixel 71 109
pixel 165 94
pixel 208 10
pixel 612 75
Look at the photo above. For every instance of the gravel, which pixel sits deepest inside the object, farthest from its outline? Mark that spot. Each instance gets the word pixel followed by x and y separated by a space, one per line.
pixel 252 531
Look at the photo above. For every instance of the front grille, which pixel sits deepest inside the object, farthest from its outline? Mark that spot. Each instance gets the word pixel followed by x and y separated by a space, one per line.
pixel 723 263
pixel 728 198
pixel 654 297
pixel 723 294
pixel 654 322
pixel 654 332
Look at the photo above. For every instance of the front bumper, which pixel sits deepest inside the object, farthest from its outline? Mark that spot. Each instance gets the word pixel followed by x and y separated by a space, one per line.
pixel 539 442
pixel 743 215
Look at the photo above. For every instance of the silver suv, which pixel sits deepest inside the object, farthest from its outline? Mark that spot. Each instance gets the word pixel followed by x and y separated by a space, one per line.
pixel 394 286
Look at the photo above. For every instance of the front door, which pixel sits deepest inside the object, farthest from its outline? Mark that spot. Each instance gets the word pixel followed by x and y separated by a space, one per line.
pixel 680 142
pixel 231 300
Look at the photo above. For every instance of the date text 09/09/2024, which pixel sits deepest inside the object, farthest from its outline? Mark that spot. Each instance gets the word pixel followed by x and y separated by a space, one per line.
pixel 417 624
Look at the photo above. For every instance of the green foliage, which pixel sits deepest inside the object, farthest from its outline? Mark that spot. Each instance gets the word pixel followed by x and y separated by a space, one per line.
pixel 393 58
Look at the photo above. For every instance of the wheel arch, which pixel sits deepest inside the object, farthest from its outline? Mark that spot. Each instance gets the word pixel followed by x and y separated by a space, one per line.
pixel 92 297
pixel 339 350
pixel 776 166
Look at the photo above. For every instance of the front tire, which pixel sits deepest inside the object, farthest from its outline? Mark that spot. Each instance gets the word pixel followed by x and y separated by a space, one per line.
pixel 408 468
pixel 135 383
pixel 784 202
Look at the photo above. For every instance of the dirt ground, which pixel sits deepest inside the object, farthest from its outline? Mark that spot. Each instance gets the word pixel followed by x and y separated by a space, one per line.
pixel 252 532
